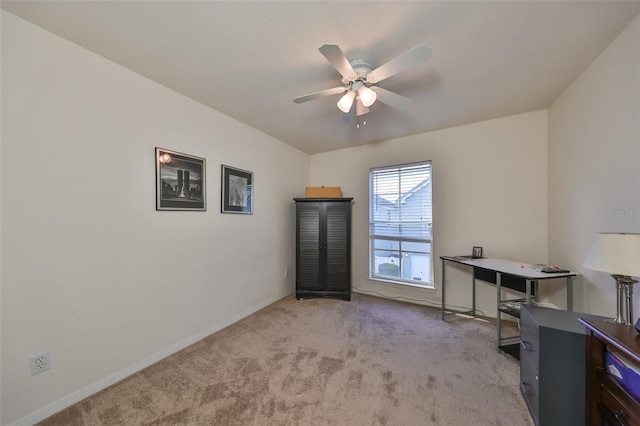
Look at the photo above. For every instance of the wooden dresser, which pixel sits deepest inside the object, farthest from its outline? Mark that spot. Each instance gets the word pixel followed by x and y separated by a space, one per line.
pixel 608 402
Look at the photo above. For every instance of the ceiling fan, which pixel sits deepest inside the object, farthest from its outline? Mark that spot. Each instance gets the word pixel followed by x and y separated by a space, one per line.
pixel 360 80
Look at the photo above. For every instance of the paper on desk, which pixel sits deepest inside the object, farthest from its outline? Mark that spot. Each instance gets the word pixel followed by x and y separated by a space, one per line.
pixel 614 371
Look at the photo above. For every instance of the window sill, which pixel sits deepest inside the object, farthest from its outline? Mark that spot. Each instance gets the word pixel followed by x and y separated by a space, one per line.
pixel 428 286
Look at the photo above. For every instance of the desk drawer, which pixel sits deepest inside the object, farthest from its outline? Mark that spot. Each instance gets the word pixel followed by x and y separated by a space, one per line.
pixel 513 282
pixel 621 405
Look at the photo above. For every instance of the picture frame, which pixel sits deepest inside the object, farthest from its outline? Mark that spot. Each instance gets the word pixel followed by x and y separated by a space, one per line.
pixel 237 190
pixel 180 181
pixel 476 253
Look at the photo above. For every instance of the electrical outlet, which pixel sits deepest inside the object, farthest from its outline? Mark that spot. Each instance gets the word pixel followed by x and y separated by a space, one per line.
pixel 286 272
pixel 40 363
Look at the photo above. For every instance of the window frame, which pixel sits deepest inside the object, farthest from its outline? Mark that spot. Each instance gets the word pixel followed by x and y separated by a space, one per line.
pixel 399 239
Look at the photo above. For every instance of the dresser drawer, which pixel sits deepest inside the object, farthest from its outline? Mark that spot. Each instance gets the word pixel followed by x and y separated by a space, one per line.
pixel 528 360
pixel 529 337
pixel 620 404
pixel 530 387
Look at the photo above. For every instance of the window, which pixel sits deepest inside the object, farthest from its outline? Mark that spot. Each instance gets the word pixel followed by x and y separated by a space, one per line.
pixel 400 223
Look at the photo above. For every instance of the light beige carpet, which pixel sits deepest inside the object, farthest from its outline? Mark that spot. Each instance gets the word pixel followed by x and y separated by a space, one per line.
pixel 370 361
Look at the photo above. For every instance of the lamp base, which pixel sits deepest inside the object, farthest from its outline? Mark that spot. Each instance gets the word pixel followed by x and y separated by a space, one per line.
pixel 624 299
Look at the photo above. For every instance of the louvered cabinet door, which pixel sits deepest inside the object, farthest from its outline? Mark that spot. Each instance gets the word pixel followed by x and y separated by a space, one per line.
pixel 338 246
pixel 323 248
pixel 308 247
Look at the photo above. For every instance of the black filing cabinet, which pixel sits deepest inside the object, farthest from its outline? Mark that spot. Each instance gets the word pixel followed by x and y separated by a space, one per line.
pixel 552 365
pixel 323 247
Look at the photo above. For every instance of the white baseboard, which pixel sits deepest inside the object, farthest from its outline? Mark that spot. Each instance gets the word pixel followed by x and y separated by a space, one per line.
pixel 69 400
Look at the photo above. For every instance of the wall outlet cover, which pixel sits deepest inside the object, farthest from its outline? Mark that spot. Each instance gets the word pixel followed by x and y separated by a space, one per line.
pixel 40 363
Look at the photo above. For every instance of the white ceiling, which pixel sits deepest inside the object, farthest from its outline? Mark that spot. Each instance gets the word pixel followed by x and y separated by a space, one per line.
pixel 249 59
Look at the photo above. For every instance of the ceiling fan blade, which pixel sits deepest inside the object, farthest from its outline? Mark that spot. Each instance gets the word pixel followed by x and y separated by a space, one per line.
pixel 320 94
pixel 334 55
pixel 392 99
pixel 403 62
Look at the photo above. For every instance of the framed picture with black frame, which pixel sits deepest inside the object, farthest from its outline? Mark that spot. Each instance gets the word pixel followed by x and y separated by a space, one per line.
pixel 180 181
pixel 237 190
pixel 477 252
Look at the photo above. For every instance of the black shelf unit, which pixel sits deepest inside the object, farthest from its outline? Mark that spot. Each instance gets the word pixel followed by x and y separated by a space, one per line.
pixel 507 306
pixel 511 307
pixel 512 349
pixel 509 345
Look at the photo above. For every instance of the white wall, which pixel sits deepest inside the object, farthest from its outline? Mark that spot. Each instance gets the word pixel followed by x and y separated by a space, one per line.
pixel 489 189
pixel 594 165
pixel 90 270
pixel 93 274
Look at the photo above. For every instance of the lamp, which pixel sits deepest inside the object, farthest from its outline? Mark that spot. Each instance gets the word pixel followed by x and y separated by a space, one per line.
pixel 367 96
pixel 618 255
pixel 345 102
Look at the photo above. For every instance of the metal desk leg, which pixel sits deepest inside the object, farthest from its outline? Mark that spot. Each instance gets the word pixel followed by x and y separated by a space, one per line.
pixel 444 284
pixel 569 294
pixel 527 292
pixel 498 316
pixel 473 291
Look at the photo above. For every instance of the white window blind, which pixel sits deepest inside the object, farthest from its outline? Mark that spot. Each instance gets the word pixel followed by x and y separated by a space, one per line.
pixel 400 224
pixel 401 202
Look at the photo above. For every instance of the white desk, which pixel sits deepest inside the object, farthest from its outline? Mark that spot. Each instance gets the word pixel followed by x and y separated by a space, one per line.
pixel 517 276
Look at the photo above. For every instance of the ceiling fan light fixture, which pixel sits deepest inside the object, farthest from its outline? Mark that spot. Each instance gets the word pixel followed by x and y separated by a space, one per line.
pixel 367 96
pixel 345 102
pixel 361 109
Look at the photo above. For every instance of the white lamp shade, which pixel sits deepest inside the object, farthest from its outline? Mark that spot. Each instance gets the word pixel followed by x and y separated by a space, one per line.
pixel 615 254
pixel 367 96
pixel 345 102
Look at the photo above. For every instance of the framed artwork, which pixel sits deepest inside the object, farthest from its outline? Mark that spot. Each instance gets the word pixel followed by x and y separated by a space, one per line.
pixel 477 252
pixel 180 181
pixel 237 191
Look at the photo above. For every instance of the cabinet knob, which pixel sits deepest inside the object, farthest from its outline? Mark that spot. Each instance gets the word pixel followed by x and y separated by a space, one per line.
pixel 619 414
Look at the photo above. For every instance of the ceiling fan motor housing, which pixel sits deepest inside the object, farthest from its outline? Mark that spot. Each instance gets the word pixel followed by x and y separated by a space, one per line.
pixel 362 69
